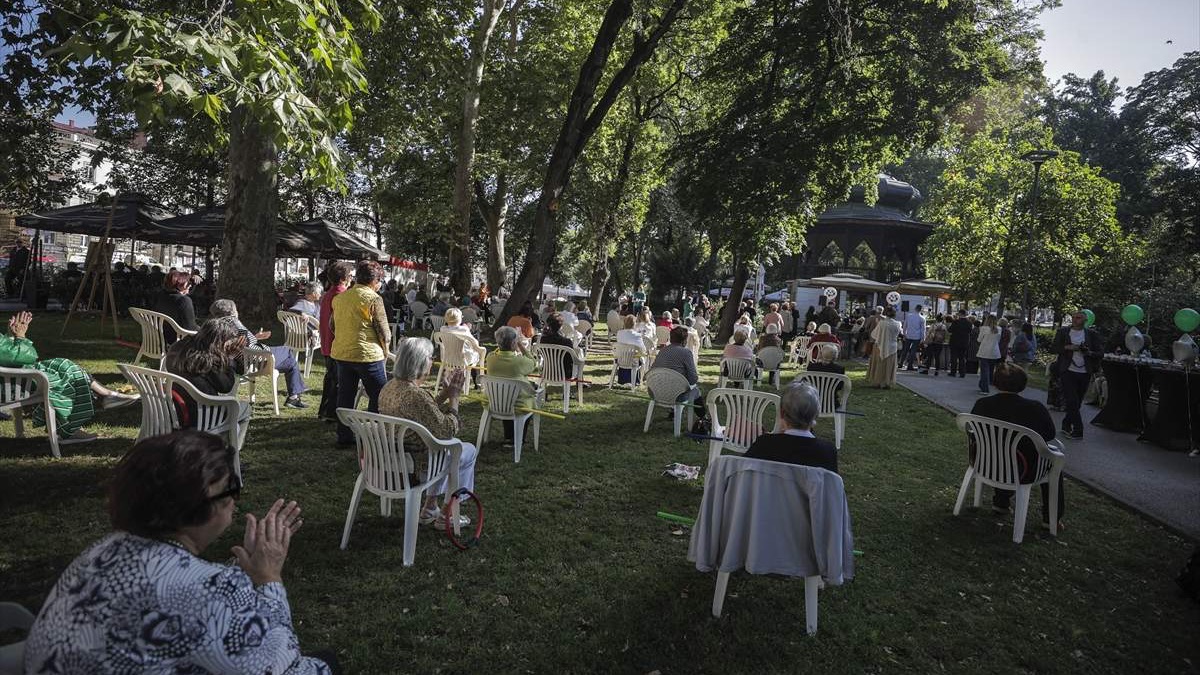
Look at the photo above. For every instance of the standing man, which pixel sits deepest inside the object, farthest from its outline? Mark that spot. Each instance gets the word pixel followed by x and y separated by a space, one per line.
pixel 1079 350
pixel 18 259
pixel 914 333
pixel 960 340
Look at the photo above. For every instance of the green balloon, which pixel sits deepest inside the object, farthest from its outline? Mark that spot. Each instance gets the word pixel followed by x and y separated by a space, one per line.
pixel 1132 315
pixel 1187 319
pixel 1091 318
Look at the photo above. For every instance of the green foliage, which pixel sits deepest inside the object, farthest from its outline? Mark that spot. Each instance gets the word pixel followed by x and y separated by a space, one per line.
pixel 1079 255
pixel 36 170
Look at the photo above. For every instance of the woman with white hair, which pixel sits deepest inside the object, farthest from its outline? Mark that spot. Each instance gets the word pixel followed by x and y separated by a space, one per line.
pixel 403 397
pixel 737 347
pixel 796 444
pixel 285 361
pixel 745 322
pixel 770 337
pixel 825 334
pixel 473 354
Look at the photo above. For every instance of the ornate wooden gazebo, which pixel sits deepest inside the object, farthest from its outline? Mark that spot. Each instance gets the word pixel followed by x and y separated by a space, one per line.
pixel 880 241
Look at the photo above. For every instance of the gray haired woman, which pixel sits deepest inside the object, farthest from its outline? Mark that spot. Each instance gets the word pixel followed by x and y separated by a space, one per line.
pixel 403 397
pixel 798 410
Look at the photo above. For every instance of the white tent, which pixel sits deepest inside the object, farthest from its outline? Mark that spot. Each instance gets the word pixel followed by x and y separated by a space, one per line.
pixel 571 290
pixel 844 281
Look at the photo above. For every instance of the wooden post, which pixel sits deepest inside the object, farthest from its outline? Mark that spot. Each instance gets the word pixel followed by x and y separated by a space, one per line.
pixel 98 270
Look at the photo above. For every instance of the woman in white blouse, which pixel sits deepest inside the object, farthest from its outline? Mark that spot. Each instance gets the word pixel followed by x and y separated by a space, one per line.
pixel 152 603
pixel 473 354
pixel 989 352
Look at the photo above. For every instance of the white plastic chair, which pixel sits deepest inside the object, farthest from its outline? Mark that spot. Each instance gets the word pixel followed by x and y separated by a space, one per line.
pixel 665 387
pixel 296 332
pixel 22 388
pixel 453 355
pixel 260 363
pixel 585 328
pixel 996 463
pixel 220 415
pixel 613 321
pixel 502 395
pixel 799 353
pixel 154 341
pixel 835 394
pixel 387 471
pixel 738 418
pixel 436 322
pixel 662 336
pixel 628 357
pixel 771 360
pixel 736 373
pixel 419 312
pixel 555 375
pixel 14 617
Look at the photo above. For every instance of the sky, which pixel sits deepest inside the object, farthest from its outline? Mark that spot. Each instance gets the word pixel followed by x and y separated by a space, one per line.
pixel 1124 38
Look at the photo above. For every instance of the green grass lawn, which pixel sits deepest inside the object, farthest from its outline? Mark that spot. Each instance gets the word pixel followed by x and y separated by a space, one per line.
pixel 575 573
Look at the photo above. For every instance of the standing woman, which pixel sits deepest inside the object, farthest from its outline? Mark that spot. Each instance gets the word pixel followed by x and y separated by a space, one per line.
pixel 361 335
pixel 989 352
pixel 337 278
pixel 881 371
pixel 177 304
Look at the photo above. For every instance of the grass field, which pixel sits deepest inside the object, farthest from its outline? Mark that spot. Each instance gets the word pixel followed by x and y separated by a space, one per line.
pixel 575 573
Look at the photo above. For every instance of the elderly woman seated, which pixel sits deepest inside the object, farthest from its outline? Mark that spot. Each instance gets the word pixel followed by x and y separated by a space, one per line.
pixel 666 320
pixel 473 354
pixel 796 444
pixel 403 397
pixel 745 322
pixel 825 334
pixel 737 347
pixel 211 360
pixel 74 395
pixel 142 599
pixel 285 361
pixel 553 335
pixel 630 337
pixel 827 352
pixel 770 337
pixel 511 360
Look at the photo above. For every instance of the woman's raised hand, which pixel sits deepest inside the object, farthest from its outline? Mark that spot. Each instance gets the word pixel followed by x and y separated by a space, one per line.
pixel 265 545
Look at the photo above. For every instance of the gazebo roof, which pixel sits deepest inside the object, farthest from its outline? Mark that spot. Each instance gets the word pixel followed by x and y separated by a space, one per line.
pixel 896 201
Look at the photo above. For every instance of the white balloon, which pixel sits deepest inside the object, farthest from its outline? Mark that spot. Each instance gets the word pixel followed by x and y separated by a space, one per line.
pixel 1134 341
pixel 1184 350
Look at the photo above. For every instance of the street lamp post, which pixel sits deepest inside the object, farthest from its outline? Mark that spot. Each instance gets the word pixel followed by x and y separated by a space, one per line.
pixel 1037 158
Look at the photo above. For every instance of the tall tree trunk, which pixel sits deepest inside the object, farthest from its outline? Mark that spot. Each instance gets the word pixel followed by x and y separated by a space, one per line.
pixel 248 247
pixel 460 246
pixel 729 314
pixel 495 213
pixel 600 273
pixel 581 123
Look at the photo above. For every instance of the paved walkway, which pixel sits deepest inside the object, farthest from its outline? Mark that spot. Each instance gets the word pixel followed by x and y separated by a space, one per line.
pixel 1161 484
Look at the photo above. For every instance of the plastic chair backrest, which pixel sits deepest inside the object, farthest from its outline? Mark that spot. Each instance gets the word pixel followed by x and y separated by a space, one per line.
pixel 13 617
pixel 437 321
pixel 257 361
pixel 385 466
pixel 737 369
pixel 154 342
pixel 469 316
pixel 502 395
pixel 744 414
pixel 996 457
pixel 626 356
pixel 666 385
pixel 552 357
pixel 452 349
pixel 22 384
pixel 833 388
pixel 584 326
pixel 662 334
pixel 770 357
pixel 295 330
pixel 613 320
pixel 800 348
pixel 418 309
pixel 158 409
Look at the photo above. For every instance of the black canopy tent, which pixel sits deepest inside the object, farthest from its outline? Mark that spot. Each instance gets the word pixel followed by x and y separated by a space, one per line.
pixel 133 215
pixel 311 239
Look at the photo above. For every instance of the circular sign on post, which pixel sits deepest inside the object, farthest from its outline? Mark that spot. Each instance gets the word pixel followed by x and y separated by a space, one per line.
pixel 830 292
pixel 893 298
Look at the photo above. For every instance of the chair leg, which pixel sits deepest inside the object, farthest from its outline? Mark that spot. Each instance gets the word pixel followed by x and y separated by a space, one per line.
pixel 19 421
pixel 437 382
pixel 275 390
pixel 518 437
pixel 962 492
pixel 839 429
pixel 352 511
pixel 677 418
pixel 978 493
pixel 811 587
pixel 566 398
pixel 412 512
pixel 537 431
pixel 1053 505
pixel 579 389
pixel 483 429
pixel 1021 512
pixel 719 594
pixel 649 414
pixel 385 507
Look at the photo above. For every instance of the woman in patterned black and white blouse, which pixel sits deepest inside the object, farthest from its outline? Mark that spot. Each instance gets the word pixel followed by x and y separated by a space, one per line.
pixel 142 600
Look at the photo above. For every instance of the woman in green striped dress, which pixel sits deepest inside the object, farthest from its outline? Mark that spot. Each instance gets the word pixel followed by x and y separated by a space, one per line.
pixel 74 395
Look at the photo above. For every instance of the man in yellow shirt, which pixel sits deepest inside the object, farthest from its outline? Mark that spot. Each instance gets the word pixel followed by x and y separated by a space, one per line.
pixel 512 361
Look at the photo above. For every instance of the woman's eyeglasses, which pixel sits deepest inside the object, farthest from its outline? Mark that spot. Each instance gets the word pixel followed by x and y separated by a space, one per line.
pixel 234 490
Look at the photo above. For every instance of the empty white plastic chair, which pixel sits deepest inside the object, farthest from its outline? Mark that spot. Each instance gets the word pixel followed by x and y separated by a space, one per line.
pixel 296 337
pixel 662 336
pixel 995 461
pixel 613 321
pixel 630 358
pixel 738 418
pixel 555 374
pixel 22 388
pixel 799 353
pixel 387 471
pixel 834 390
pixel 436 322
pixel 584 328
pixel 665 387
pixel 12 655
pixel 259 363
pixel 502 396
pixel 470 317
pixel 773 518
pixel 736 373
pixel 154 341
pixel 220 415
pixel 419 312
pixel 771 360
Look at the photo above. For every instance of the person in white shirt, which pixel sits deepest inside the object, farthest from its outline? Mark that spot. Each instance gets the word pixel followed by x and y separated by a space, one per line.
pixel 631 337
pixel 914 333
pixel 473 354
pixel 989 352
pixel 308 307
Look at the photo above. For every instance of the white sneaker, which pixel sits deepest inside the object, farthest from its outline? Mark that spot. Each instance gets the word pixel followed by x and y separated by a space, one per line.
pixel 440 521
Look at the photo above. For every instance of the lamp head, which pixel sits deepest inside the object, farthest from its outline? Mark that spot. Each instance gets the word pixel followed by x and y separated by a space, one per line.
pixel 1039 156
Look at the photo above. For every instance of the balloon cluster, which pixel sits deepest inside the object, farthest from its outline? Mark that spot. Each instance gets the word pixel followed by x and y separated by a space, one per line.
pixel 1184 349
